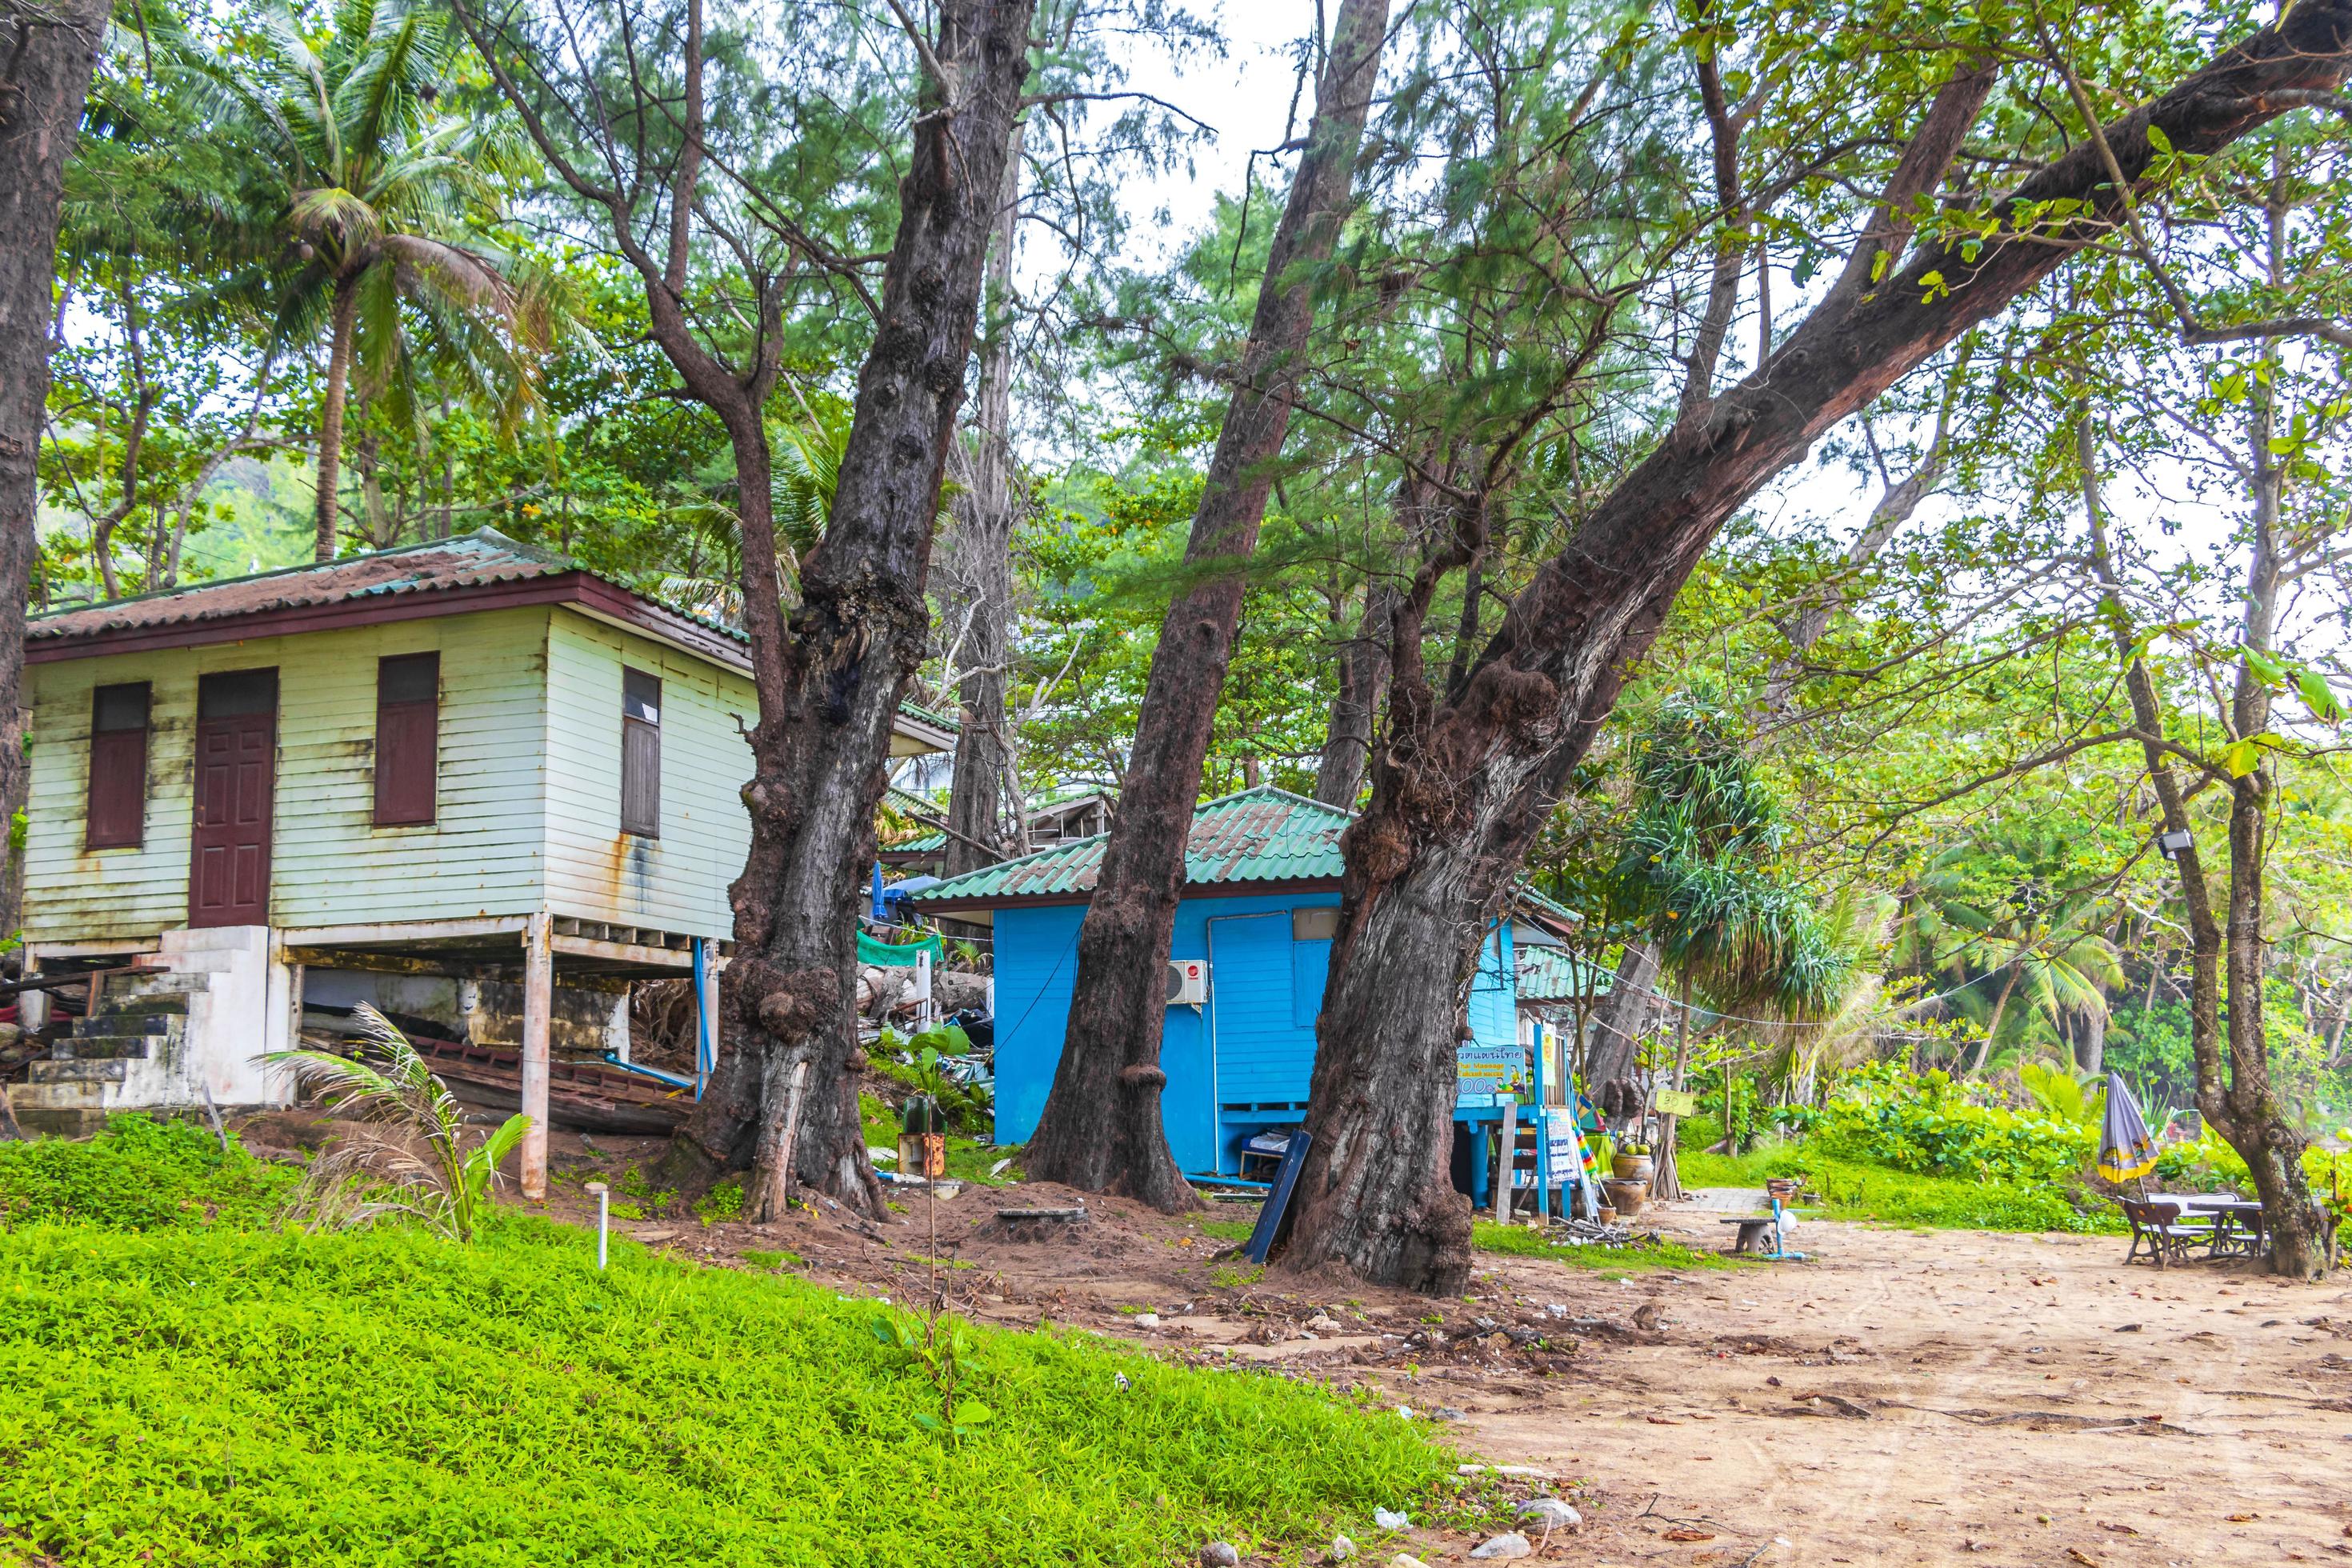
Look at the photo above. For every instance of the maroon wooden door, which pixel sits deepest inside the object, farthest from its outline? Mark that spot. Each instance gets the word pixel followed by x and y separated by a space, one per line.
pixel 236 767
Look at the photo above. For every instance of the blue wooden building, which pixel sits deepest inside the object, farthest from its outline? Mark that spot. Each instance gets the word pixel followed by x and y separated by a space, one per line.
pixel 1260 908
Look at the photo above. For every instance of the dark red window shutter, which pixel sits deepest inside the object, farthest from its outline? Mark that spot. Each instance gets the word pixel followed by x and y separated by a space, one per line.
pixel 640 753
pixel 407 739
pixel 118 767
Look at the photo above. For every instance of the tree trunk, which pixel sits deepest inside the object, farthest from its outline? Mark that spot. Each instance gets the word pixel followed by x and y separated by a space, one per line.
pixel 1624 1013
pixel 2233 1079
pixel 1361 685
pixel 830 689
pixel 2090 1050
pixel 45 56
pixel 1462 795
pixel 985 804
pixel 1100 1129
pixel 1999 1007
pixel 326 515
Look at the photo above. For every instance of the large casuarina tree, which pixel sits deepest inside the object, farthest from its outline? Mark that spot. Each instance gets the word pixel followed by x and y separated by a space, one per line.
pixel 47 55
pixel 831 664
pixel 1101 1129
pixel 1462 786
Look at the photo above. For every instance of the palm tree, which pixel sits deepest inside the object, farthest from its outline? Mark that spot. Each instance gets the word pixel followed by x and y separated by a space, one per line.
pixel 378 198
pixel 1698 874
pixel 2046 962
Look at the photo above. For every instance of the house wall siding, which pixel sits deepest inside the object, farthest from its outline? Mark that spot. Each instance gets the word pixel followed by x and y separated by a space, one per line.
pixel 678 881
pixel 330 863
pixel 1242 1063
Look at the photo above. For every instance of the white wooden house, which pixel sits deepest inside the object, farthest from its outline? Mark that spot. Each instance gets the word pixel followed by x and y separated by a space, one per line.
pixel 427 775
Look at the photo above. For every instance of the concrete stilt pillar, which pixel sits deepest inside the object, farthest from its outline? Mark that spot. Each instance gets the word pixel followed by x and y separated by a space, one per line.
pixel 538 1007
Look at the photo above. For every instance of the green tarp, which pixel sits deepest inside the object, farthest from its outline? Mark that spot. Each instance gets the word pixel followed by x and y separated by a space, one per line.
pixel 869 951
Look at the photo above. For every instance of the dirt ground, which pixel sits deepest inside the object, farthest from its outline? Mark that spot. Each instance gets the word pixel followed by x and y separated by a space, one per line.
pixel 1902 1397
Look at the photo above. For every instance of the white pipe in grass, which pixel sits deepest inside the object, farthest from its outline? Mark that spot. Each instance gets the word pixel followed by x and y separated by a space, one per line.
pixel 603 1218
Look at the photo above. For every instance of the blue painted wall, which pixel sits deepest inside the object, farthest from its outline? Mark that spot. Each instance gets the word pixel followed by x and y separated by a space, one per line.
pixel 1233 1068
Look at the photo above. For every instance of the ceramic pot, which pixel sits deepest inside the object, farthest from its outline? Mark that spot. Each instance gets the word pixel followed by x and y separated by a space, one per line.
pixel 1627 1197
pixel 1632 1167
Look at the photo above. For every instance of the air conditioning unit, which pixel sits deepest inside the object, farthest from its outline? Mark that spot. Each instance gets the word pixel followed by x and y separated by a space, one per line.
pixel 1188 982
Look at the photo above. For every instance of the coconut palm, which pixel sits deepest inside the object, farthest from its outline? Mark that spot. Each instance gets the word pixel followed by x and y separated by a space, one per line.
pixel 452 1182
pixel 2039 968
pixel 378 198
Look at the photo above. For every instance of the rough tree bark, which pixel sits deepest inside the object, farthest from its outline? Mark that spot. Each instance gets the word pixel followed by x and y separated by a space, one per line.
pixel 1100 1129
pixel 822 741
pixel 1361 686
pixel 985 805
pixel 1458 799
pixel 46 54
pixel 829 683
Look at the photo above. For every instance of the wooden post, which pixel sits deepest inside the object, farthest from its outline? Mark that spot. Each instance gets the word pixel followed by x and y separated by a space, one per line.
pixel 772 1173
pixel 538 1006
pixel 1510 1159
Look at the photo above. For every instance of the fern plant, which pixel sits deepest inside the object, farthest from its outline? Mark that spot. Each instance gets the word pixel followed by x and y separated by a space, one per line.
pixel 452 1183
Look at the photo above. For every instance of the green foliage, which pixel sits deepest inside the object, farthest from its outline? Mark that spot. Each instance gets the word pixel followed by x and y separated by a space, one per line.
pixel 722 1203
pixel 1698 868
pixel 2058 1094
pixel 963 1107
pixel 1927 1123
pixel 214 1398
pixel 759 1257
pixel 141 1173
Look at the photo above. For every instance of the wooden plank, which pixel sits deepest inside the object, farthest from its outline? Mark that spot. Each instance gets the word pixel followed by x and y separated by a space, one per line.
pixel 663 958
pixel 1277 1207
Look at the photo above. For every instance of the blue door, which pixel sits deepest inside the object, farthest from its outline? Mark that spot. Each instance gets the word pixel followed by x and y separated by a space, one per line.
pixel 1264 1058
pixel 1188 1106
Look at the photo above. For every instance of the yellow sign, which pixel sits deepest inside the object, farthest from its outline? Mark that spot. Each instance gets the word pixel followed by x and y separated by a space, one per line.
pixel 1674 1102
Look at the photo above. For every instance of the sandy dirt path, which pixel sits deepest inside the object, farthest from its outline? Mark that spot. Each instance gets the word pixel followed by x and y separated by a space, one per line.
pixel 1927 1398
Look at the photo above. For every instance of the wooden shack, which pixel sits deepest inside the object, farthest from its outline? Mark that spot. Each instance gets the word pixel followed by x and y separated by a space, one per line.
pixel 466 775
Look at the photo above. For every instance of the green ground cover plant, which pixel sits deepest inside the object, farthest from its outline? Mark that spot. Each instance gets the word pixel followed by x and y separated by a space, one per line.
pixel 1520 1241
pixel 140 1173
pixel 182 1383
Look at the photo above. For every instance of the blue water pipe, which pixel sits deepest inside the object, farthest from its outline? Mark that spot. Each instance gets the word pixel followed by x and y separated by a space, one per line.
pixel 706 1048
pixel 672 1079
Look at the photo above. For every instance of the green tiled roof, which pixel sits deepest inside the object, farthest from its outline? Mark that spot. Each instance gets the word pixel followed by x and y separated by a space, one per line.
pixel 1553 974
pixel 1262 835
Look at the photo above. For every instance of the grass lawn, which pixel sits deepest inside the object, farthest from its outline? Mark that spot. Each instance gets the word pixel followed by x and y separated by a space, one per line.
pixel 1857 1191
pixel 177 1388
pixel 1519 1241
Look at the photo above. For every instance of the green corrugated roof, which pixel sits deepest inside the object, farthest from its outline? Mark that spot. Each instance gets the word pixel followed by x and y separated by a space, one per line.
pixel 1554 974
pixel 1262 835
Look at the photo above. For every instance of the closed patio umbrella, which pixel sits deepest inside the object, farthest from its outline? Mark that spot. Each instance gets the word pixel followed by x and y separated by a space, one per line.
pixel 2126 1153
